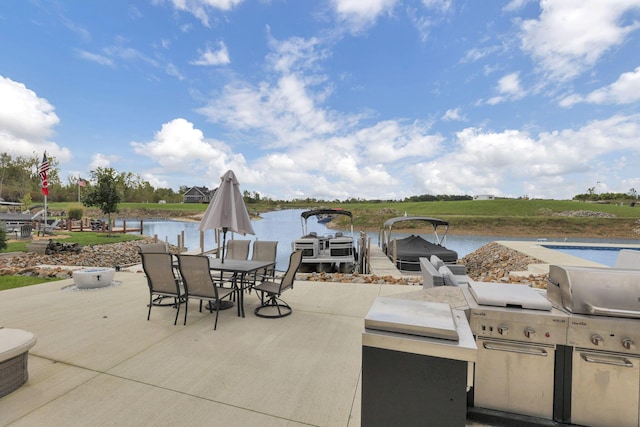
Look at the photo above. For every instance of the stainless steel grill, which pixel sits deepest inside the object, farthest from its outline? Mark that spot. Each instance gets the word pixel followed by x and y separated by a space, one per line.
pixel 520 339
pixel 603 333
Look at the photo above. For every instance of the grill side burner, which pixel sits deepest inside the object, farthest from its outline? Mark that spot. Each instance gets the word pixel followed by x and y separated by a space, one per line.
pixel 518 347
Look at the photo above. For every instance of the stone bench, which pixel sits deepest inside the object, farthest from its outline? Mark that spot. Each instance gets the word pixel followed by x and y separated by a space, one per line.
pixel 14 351
pixel 436 273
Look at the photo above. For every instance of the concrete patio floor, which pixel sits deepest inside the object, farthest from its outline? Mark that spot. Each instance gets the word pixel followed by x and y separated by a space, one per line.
pixel 98 361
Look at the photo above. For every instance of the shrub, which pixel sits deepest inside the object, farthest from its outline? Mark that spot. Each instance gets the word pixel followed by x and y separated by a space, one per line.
pixel 75 213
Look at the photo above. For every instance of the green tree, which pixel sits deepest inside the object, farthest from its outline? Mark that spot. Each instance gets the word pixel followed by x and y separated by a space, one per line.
pixel 27 201
pixel 3 239
pixel 104 193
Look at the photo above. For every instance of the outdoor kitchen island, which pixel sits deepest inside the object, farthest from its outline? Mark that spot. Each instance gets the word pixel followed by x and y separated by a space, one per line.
pixel 526 369
pixel 416 364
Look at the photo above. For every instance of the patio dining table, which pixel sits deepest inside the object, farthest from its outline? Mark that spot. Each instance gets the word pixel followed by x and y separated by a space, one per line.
pixel 240 270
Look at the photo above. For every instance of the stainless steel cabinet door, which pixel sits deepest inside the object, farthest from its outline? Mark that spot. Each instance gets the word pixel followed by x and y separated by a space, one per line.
pixel 515 377
pixel 605 389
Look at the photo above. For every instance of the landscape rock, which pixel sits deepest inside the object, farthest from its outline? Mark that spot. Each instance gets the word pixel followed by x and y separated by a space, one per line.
pixel 490 263
pixel 107 255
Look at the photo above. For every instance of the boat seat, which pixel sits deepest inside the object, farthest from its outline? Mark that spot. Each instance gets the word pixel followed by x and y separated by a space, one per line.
pixel 341 247
pixel 310 247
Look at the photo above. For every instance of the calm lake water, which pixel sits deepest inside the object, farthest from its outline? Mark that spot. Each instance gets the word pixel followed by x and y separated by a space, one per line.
pixel 285 226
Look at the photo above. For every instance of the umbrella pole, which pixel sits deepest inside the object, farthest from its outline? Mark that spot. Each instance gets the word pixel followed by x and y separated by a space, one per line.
pixel 224 239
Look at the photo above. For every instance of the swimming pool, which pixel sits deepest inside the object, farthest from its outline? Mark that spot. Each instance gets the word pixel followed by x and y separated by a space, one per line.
pixel 606 255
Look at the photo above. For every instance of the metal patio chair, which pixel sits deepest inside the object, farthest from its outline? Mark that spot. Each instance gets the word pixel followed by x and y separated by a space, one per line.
pixel 236 249
pixel 162 281
pixel 198 283
pixel 272 306
pixel 264 250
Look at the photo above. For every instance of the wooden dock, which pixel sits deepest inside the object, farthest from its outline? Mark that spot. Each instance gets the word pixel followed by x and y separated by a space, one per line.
pixel 134 226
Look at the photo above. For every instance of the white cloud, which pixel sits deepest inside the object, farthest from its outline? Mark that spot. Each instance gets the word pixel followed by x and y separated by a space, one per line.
pixel 178 147
pixel 509 89
pixel 200 8
pixel 476 54
pixel 431 17
pixel 359 15
pixel 570 36
pixel 485 161
pixel 100 160
pixel 211 57
pixel 440 5
pixel 422 23
pixel 453 115
pixel 625 90
pixel 94 57
pixel 514 5
pixel 287 110
pixel 27 122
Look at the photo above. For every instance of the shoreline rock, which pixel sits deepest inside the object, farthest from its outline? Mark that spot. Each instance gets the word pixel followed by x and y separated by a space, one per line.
pixel 490 263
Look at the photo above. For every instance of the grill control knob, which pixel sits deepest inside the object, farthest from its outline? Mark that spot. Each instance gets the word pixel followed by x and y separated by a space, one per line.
pixel 596 339
pixel 503 329
pixel 529 332
pixel 628 344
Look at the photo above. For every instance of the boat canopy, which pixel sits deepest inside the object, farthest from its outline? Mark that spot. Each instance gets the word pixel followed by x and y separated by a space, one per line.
pixel 386 229
pixel 436 222
pixel 319 212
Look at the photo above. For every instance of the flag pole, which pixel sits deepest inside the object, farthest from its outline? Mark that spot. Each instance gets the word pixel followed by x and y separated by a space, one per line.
pixel 43 169
pixel 45 215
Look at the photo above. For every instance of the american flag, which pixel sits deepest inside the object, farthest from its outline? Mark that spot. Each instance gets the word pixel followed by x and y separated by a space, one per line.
pixel 82 182
pixel 42 171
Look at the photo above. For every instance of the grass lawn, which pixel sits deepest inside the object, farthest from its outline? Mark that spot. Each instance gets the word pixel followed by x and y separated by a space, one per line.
pixel 10 282
pixel 84 238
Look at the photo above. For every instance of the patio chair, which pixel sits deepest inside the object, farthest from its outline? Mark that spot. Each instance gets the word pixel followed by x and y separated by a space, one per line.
pixel 236 249
pixel 264 250
pixel 199 284
pixel 272 289
pixel 152 247
pixel 162 281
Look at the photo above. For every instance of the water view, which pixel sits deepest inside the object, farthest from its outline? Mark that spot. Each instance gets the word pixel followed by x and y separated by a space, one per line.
pixel 285 226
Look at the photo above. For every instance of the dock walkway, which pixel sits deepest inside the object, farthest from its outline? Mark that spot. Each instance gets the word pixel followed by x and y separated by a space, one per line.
pixel 381 265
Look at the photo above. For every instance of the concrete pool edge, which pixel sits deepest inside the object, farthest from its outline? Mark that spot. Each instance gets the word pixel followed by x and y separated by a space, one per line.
pixel 550 256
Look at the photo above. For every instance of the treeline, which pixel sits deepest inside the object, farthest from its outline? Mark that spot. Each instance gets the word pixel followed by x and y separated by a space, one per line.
pixel 602 197
pixel 438 198
pixel 20 182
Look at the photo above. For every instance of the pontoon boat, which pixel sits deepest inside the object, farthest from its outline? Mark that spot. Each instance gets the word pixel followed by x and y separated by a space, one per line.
pixel 406 252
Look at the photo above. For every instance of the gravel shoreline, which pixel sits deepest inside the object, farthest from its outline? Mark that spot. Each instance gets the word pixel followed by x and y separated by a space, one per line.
pixel 492 262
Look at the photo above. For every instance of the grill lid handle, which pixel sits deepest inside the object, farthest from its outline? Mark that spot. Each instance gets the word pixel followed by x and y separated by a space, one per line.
pixel 592 309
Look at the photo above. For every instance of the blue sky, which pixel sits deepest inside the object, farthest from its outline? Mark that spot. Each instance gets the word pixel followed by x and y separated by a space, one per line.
pixel 331 99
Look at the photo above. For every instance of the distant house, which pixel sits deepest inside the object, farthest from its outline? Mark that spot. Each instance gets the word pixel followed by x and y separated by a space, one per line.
pixel 484 197
pixel 198 195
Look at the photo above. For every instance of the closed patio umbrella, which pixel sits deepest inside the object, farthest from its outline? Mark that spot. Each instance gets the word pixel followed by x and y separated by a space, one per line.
pixel 227 211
